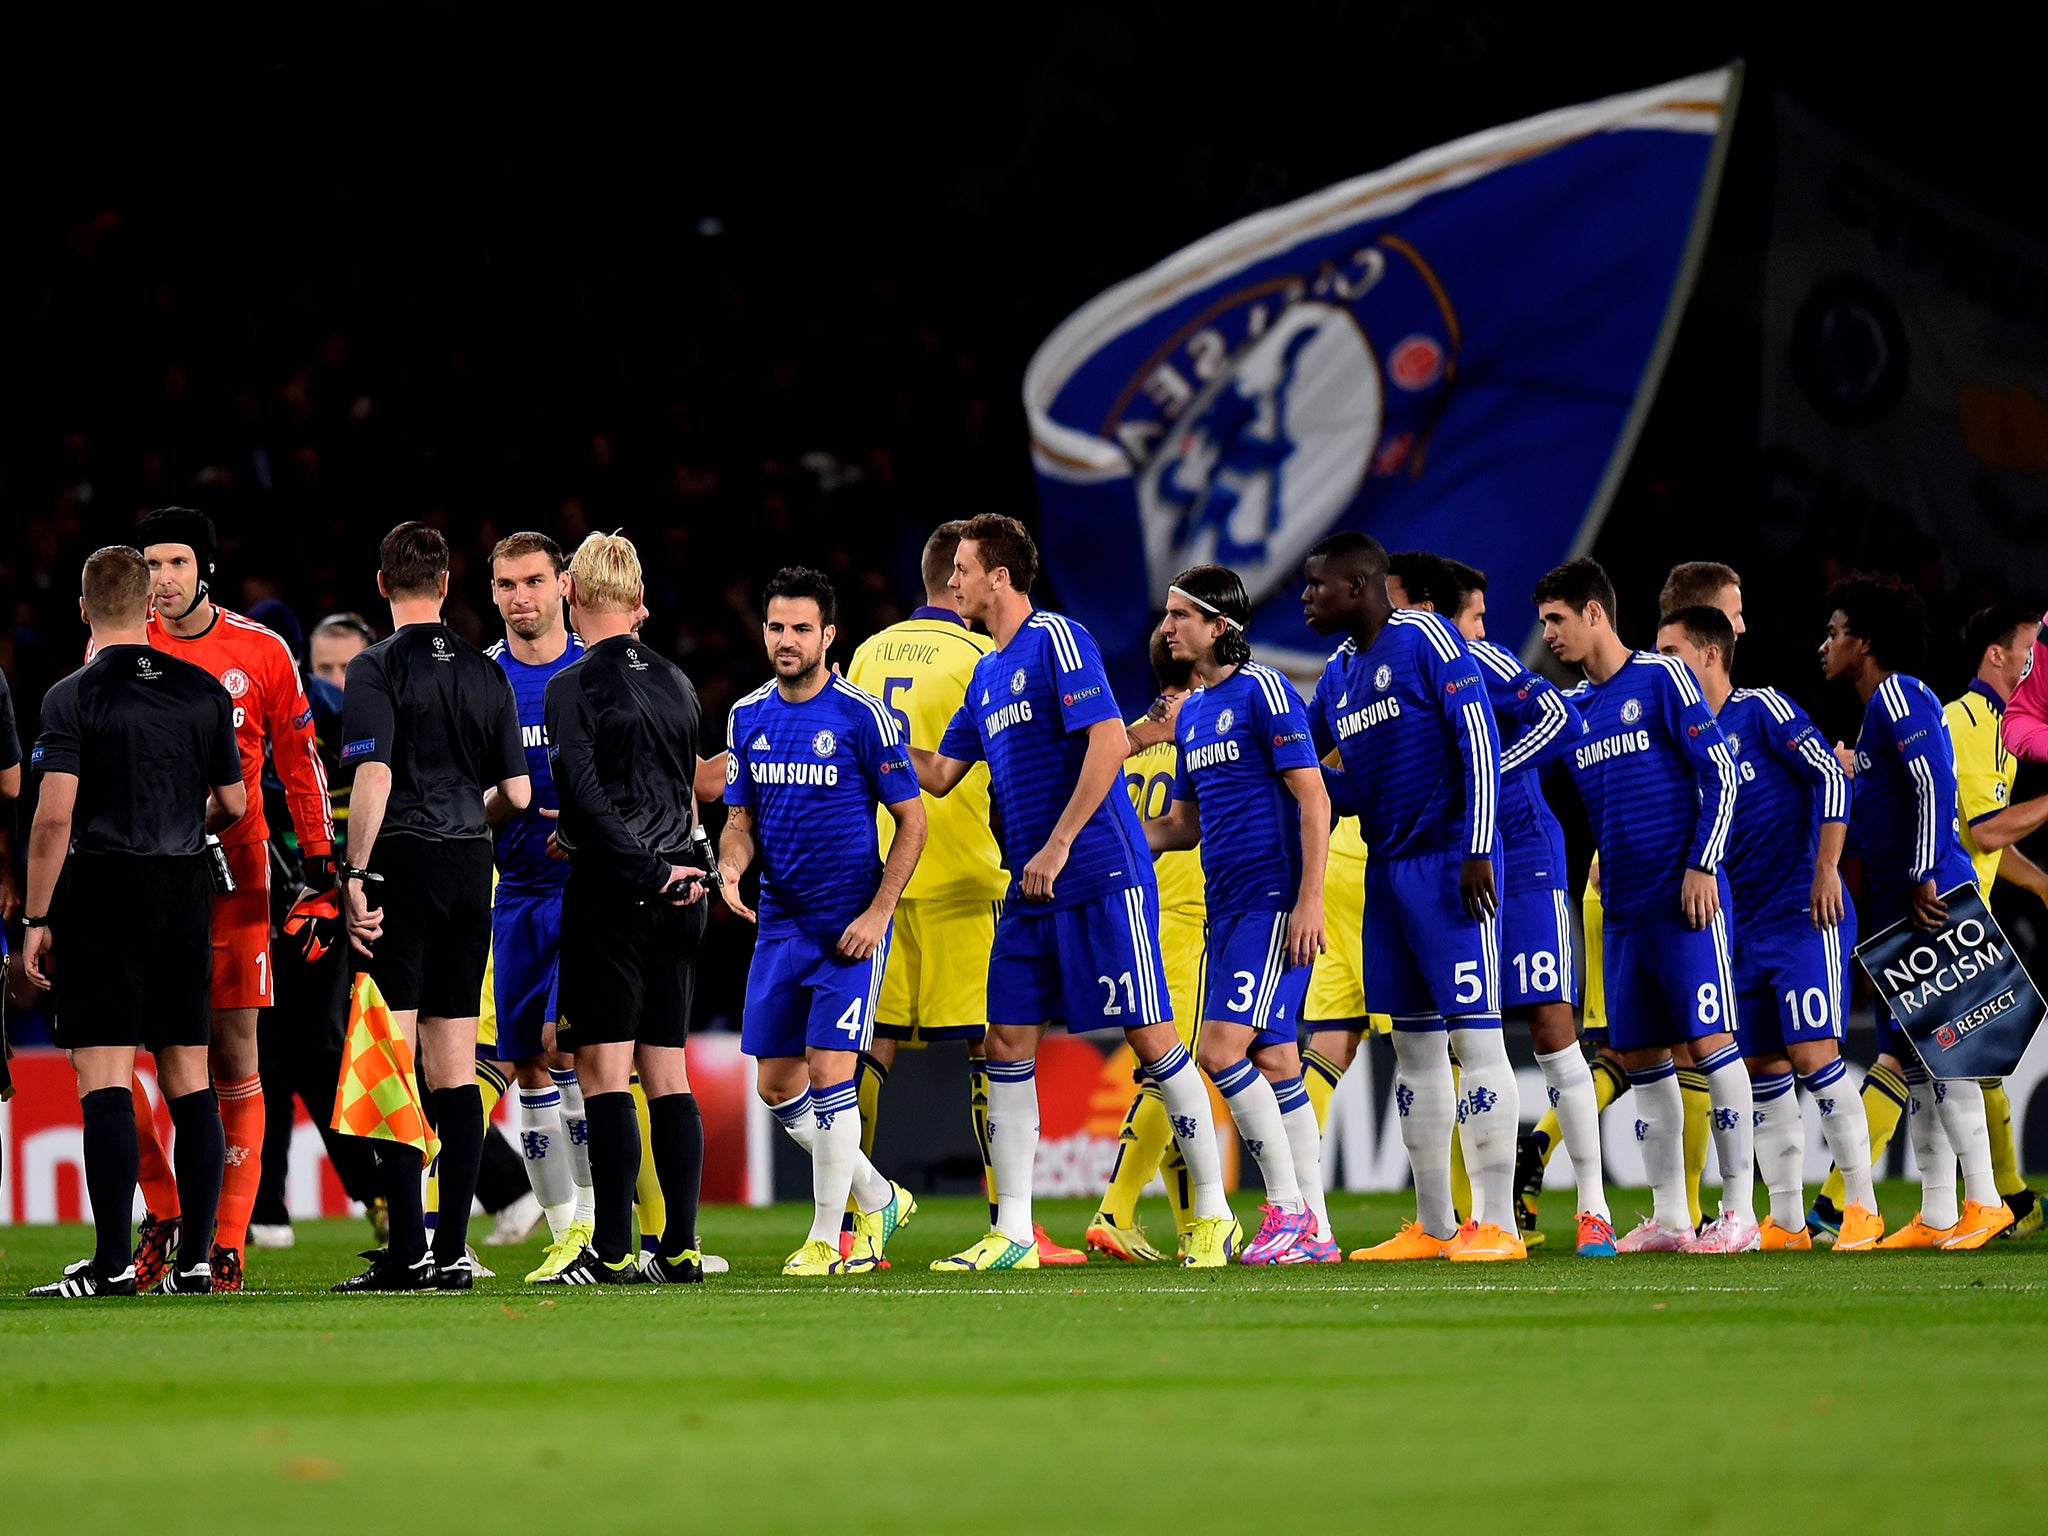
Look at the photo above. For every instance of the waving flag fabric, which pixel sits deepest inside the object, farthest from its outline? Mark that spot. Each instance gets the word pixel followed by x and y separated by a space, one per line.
pixel 1454 353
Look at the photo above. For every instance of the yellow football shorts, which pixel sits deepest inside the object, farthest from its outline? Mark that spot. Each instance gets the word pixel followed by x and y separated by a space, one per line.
pixel 936 983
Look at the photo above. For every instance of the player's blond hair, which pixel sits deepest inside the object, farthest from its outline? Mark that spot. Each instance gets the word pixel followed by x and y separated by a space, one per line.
pixel 606 570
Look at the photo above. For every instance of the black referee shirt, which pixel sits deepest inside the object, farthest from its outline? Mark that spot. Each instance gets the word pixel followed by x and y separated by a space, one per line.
pixel 439 713
pixel 10 741
pixel 622 740
pixel 148 736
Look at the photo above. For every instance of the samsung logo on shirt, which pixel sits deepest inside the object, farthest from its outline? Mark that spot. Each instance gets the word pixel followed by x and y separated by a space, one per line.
pixel 533 735
pixel 1611 747
pixel 794 773
pixel 1224 751
pixel 1375 713
pixel 1007 716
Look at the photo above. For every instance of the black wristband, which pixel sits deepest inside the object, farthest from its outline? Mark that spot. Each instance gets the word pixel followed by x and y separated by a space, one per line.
pixel 34 922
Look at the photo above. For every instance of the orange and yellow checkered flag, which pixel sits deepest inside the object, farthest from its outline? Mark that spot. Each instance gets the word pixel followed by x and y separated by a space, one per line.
pixel 380 1094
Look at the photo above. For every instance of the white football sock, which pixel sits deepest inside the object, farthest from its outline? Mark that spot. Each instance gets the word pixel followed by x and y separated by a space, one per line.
pixel 1428 1107
pixel 546 1149
pixel 1846 1130
pixel 1194 1132
pixel 1931 1151
pixel 1780 1147
pixel 577 1126
pixel 835 1146
pixel 1733 1121
pixel 1013 1143
pixel 1489 1115
pixel 1570 1081
pixel 1305 1141
pixel 1256 1113
pixel 1660 1128
pixel 1960 1101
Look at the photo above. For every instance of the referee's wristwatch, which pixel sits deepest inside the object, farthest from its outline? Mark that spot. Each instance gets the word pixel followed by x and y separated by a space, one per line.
pixel 35 922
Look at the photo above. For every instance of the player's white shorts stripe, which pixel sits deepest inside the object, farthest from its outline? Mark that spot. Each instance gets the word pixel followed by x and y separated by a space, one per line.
pixel 1724 967
pixel 1141 953
pixel 1561 906
pixel 1269 978
pixel 1831 948
pixel 878 963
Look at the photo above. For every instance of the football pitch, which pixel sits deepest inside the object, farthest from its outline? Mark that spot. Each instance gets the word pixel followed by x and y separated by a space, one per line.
pixel 1662 1392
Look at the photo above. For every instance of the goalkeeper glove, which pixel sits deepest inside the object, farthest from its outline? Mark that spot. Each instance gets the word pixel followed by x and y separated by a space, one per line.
pixel 317 912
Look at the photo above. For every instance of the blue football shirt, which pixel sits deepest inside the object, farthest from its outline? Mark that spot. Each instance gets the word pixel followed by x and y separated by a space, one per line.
pixel 1791 784
pixel 522 842
pixel 1027 714
pixel 1658 783
pixel 812 774
pixel 1905 816
pixel 1237 738
pixel 1415 733
pixel 1536 725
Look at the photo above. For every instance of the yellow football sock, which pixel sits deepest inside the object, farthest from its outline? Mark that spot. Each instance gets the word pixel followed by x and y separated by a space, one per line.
pixel 492 1083
pixel 1699 1104
pixel 1461 1182
pixel 977 1109
pixel 648 1204
pixel 1180 1189
pixel 2005 1158
pixel 868 1077
pixel 1320 1076
pixel 1884 1105
pixel 1140 1145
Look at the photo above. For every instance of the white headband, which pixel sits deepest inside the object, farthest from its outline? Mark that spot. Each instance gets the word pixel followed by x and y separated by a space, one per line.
pixel 1209 608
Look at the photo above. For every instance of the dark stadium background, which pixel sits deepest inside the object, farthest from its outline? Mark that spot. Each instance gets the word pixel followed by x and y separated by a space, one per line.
pixel 760 291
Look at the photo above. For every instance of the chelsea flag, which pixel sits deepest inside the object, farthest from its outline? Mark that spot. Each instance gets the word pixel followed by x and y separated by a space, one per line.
pixel 1453 354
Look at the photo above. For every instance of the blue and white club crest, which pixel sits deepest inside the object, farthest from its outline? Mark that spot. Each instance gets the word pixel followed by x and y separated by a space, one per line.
pixel 1017 681
pixel 1223 721
pixel 1383 676
pixel 1735 744
pixel 1631 711
pixel 823 743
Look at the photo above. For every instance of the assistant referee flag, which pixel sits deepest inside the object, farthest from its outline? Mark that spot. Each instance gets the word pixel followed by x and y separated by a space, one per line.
pixel 380 1093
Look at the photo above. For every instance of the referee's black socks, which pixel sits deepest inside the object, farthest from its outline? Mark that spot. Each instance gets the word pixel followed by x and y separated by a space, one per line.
pixel 615 1169
pixel 675 1130
pixel 402 1168
pixel 201 1159
pixel 459 1116
pixel 112 1163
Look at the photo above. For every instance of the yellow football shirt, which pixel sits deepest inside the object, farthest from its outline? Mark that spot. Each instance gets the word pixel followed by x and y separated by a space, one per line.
pixel 1148 775
pixel 1985 771
pixel 919 669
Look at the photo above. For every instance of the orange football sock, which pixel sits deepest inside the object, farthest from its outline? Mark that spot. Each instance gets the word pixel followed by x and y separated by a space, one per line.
pixel 159 1184
pixel 241 1123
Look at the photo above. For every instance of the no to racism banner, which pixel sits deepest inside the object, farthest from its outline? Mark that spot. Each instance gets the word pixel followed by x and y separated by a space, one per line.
pixel 1454 353
pixel 1959 991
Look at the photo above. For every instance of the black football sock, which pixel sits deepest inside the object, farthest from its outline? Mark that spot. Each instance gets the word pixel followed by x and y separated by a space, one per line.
pixel 200 1159
pixel 614 1170
pixel 501 1177
pixel 402 1168
pixel 112 1161
pixel 676 1131
pixel 460 1112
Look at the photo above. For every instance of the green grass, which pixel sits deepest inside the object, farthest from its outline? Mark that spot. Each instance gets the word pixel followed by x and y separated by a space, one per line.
pixel 1884 1392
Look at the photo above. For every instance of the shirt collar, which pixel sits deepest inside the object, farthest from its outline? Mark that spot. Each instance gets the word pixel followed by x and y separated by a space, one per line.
pixel 1979 686
pixel 943 615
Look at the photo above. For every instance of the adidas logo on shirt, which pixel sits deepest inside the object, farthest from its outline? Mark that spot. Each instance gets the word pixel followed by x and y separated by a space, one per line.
pixel 761 742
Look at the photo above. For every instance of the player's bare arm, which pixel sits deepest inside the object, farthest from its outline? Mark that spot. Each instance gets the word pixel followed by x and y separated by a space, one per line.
pixel 735 853
pixel 1305 936
pixel 2003 828
pixel 1157 726
pixel 2017 869
pixel 1101 770
pixel 937 774
pixel 709 782
pixel 1178 829
pixel 1826 896
pixel 49 839
pixel 226 805
pixel 868 930
pixel 1699 897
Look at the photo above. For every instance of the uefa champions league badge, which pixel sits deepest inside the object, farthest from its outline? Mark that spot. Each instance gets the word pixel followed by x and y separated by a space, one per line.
pixel 824 743
pixel 1383 676
pixel 1631 711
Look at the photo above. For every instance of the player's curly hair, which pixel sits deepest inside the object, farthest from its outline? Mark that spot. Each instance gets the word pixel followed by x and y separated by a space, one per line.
pixel 1427 578
pixel 1219 592
pixel 1887 615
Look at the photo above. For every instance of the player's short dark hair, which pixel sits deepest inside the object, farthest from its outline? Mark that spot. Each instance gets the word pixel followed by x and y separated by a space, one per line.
pixel 1887 615
pixel 115 585
pixel 1219 592
pixel 1996 625
pixel 1168 670
pixel 1575 584
pixel 1704 625
pixel 1350 547
pixel 413 558
pixel 514 545
pixel 1693 582
pixel 1427 578
pixel 937 564
pixel 1469 578
pixel 1003 541
pixel 345 624
pixel 180 525
pixel 794 582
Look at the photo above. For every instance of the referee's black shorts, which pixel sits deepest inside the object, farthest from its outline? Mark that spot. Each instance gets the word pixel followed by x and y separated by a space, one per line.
pixel 436 896
pixel 628 969
pixel 131 942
